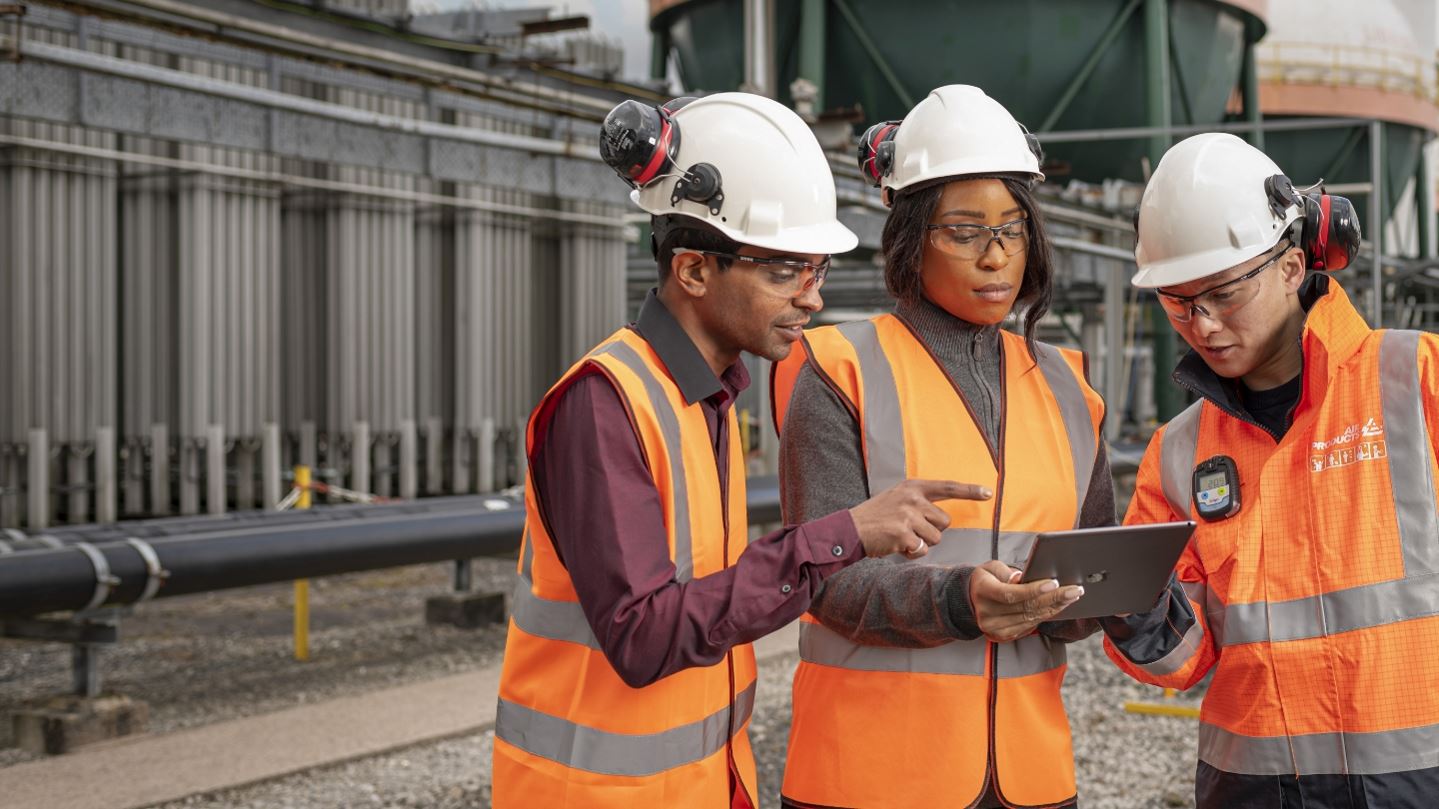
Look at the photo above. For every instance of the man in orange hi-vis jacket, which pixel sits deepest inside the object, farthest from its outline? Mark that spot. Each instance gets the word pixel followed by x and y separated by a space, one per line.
pixel 1309 463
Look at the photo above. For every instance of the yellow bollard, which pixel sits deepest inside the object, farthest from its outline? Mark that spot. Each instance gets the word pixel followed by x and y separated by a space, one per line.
pixel 302 586
pixel 1168 707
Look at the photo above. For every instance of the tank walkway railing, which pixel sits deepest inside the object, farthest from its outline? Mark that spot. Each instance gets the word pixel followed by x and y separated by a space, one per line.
pixel 1341 65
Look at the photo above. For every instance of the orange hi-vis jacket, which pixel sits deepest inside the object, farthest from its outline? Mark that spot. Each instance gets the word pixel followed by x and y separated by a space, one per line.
pixel 569 732
pixel 1318 602
pixel 977 710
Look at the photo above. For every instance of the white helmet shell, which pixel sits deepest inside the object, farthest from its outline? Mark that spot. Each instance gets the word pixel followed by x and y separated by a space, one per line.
pixel 1206 210
pixel 958 130
pixel 778 189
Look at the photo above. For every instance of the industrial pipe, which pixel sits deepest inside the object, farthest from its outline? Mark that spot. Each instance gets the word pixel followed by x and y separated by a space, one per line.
pixel 86 575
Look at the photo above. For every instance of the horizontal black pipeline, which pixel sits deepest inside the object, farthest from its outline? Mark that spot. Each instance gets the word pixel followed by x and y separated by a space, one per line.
pixel 41 581
pixel 194 524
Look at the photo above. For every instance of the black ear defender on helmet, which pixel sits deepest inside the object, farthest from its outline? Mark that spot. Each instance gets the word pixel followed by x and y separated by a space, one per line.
pixel 641 142
pixel 876 151
pixel 1032 141
pixel 1329 233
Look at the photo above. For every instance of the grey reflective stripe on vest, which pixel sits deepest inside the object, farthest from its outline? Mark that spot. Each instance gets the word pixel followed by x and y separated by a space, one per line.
pixel 1320 753
pixel 1412 481
pixel 1176 458
pixel 883 421
pixel 670 428
pixel 565 620
pixel 1074 410
pixel 1034 654
pixel 580 747
pixel 555 620
pixel 1334 612
pixel 958 546
pixel 1407 439
pixel 821 645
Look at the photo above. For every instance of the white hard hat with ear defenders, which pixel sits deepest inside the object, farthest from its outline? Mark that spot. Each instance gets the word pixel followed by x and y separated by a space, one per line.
pixel 746 165
pixel 955 131
pixel 1215 202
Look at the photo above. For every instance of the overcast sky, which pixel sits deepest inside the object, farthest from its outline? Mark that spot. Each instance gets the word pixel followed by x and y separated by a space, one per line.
pixel 622 20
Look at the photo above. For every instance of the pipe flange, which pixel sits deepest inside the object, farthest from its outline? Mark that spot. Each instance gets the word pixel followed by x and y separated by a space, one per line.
pixel 105 581
pixel 155 574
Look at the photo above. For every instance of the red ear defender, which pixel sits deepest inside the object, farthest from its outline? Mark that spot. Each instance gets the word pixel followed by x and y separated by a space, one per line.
pixel 1329 233
pixel 640 142
pixel 876 151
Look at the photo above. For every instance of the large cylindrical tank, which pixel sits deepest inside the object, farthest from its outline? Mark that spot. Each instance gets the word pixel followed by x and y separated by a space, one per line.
pixel 1332 58
pixel 1024 53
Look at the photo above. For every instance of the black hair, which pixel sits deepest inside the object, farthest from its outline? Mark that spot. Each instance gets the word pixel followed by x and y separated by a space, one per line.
pixel 671 230
pixel 906 232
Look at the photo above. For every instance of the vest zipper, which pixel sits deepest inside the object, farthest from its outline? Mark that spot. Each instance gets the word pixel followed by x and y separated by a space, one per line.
pixel 722 425
pixel 992 664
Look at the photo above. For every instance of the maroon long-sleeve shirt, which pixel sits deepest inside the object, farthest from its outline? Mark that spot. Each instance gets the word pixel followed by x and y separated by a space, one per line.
pixel 604 512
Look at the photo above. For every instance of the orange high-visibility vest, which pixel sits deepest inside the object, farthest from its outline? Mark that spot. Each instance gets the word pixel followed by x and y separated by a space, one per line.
pixel 569 732
pixel 1317 605
pixel 968 711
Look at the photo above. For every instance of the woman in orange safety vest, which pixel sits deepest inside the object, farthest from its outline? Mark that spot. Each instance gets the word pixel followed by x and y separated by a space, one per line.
pixel 941 654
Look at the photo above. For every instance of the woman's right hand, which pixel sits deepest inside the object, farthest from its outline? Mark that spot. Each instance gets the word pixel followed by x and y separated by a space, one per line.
pixel 1007 611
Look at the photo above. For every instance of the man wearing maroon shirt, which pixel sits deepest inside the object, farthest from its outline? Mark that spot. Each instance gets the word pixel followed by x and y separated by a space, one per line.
pixel 743 241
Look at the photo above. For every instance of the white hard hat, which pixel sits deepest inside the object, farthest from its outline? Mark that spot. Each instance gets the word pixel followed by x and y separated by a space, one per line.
pixel 956 130
pixel 1207 209
pixel 742 163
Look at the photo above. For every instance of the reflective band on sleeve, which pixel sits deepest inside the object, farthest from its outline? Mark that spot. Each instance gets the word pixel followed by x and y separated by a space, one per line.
pixel 1078 426
pixel 1182 653
pixel 585 748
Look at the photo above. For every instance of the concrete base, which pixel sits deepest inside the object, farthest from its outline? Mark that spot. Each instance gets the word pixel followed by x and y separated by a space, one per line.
pixel 466 610
pixel 63 723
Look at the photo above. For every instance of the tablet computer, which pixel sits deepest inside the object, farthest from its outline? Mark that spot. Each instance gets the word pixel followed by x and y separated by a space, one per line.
pixel 1122 569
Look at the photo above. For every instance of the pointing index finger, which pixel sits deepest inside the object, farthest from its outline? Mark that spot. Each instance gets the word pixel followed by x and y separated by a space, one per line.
pixel 953 490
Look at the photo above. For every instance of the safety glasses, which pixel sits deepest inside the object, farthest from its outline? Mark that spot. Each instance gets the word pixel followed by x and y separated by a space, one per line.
pixel 789 275
pixel 969 241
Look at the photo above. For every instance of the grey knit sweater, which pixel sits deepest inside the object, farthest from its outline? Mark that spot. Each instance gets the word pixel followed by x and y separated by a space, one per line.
pixel 877 602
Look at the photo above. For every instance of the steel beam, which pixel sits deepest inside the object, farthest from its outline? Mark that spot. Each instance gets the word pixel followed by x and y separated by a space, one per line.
pixel 1253 114
pixel 1376 221
pixel 1086 69
pixel 813 21
pixel 1156 76
pixel 867 43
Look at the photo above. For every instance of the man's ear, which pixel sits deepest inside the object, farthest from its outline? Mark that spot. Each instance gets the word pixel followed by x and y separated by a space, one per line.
pixel 1292 269
pixel 690 272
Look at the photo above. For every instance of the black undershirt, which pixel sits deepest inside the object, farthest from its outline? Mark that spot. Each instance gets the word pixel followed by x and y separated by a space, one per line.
pixel 1271 408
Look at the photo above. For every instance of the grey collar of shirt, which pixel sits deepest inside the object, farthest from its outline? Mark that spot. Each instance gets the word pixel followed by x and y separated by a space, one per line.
pixel 682 358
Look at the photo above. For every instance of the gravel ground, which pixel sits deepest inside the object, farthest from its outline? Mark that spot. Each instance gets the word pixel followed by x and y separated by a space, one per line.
pixel 1125 761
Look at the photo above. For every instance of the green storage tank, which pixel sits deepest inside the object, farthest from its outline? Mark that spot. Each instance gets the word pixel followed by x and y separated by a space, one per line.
pixel 885 56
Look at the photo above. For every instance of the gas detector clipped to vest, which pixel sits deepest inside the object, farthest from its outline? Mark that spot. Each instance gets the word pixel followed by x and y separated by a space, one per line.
pixel 1216 488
